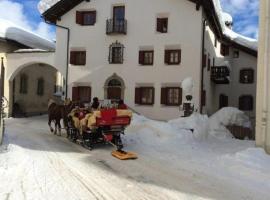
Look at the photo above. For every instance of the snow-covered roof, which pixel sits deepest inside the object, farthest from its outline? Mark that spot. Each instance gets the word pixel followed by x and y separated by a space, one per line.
pixel 223 17
pixel 31 51
pixel 45 5
pixel 11 31
pixel 236 37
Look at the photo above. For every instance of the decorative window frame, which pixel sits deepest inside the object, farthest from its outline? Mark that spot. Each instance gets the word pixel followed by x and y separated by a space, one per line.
pixel 116 45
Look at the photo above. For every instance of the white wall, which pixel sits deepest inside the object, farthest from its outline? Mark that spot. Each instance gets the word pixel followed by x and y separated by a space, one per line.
pixel 184 30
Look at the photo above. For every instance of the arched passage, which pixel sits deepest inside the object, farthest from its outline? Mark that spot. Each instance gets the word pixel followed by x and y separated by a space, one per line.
pixel 30 87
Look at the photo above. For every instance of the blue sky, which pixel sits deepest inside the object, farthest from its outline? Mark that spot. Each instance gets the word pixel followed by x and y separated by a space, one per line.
pixel 25 13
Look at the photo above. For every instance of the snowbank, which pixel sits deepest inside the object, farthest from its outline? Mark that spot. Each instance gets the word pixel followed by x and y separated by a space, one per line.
pixel 11 31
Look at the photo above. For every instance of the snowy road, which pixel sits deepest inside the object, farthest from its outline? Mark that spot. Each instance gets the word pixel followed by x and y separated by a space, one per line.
pixel 34 164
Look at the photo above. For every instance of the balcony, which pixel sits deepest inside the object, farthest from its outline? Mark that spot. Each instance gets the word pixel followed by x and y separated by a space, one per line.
pixel 220 74
pixel 116 26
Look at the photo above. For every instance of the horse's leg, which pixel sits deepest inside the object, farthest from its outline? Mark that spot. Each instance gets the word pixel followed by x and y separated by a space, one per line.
pixel 49 123
pixel 55 127
pixel 59 126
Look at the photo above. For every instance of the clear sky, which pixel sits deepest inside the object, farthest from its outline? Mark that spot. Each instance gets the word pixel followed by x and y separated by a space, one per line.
pixel 25 13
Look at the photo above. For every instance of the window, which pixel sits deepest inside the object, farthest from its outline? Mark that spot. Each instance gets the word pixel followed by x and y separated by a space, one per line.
pixel 171 96
pixel 116 53
pixel 173 57
pixel 78 57
pixel 236 54
pixel 144 95
pixel 40 87
pixel 162 25
pixel 146 57
pixel 81 93
pixel 224 50
pixel 215 42
pixel 246 103
pixel 86 17
pixel 246 76
pixel 23 84
pixel 223 101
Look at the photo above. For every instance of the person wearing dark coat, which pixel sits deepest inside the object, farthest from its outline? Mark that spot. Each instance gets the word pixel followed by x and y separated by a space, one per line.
pixel 95 104
pixel 122 105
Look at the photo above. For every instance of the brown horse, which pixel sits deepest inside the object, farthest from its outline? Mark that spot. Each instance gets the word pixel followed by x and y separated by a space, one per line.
pixel 56 113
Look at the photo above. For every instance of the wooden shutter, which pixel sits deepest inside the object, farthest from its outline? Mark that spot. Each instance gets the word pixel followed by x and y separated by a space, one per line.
pixel 180 97
pixel 204 60
pixel 88 92
pixel 223 101
pixel 153 95
pixel 179 54
pixel 72 58
pixel 79 17
pixel 137 95
pixel 163 99
pixel 209 64
pixel 83 58
pixel 75 94
pixel 203 98
pixel 167 57
pixel 141 57
pixel 159 25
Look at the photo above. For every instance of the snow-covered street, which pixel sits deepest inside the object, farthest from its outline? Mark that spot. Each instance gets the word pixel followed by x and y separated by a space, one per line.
pixel 172 164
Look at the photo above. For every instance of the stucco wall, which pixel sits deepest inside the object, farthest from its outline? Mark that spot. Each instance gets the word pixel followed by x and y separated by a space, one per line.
pixel 184 30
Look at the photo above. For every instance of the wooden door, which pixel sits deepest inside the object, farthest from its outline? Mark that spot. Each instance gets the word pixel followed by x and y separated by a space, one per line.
pixel 114 93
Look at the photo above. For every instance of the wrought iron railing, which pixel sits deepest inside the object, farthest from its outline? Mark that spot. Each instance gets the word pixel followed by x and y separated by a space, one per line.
pixel 220 74
pixel 118 26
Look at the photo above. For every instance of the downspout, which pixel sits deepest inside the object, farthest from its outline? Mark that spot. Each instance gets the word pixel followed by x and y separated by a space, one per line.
pixel 202 66
pixel 67 61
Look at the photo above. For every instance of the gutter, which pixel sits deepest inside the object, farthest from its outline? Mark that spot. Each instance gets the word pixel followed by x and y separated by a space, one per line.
pixel 202 63
pixel 67 61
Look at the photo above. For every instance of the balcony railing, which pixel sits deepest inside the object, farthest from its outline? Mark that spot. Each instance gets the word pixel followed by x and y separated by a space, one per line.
pixel 116 26
pixel 220 75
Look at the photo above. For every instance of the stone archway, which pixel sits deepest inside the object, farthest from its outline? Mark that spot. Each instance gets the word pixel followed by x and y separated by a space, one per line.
pixel 114 88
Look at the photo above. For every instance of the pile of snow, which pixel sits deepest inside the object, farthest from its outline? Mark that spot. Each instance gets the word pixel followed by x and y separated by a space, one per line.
pixel 187 85
pixel 197 125
pixel 226 117
pixel 11 31
pixel 45 5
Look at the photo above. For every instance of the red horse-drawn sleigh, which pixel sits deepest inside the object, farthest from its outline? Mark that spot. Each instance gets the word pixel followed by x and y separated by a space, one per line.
pixel 104 126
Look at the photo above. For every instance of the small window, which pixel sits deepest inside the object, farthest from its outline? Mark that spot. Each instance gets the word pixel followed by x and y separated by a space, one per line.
pixel 236 54
pixel 81 93
pixel 215 42
pixel 224 50
pixel 86 17
pixel 223 101
pixel 23 84
pixel 116 53
pixel 246 103
pixel 171 96
pixel 78 57
pixel 173 57
pixel 246 76
pixel 162 25
pixel 144 95
pixel 146 57
pixel 40 87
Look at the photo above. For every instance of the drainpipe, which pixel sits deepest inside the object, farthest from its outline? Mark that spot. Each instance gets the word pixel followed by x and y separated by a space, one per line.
pixel 202 67
pixel 67 61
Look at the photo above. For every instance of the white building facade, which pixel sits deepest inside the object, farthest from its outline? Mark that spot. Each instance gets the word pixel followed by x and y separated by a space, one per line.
pixel 141 51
